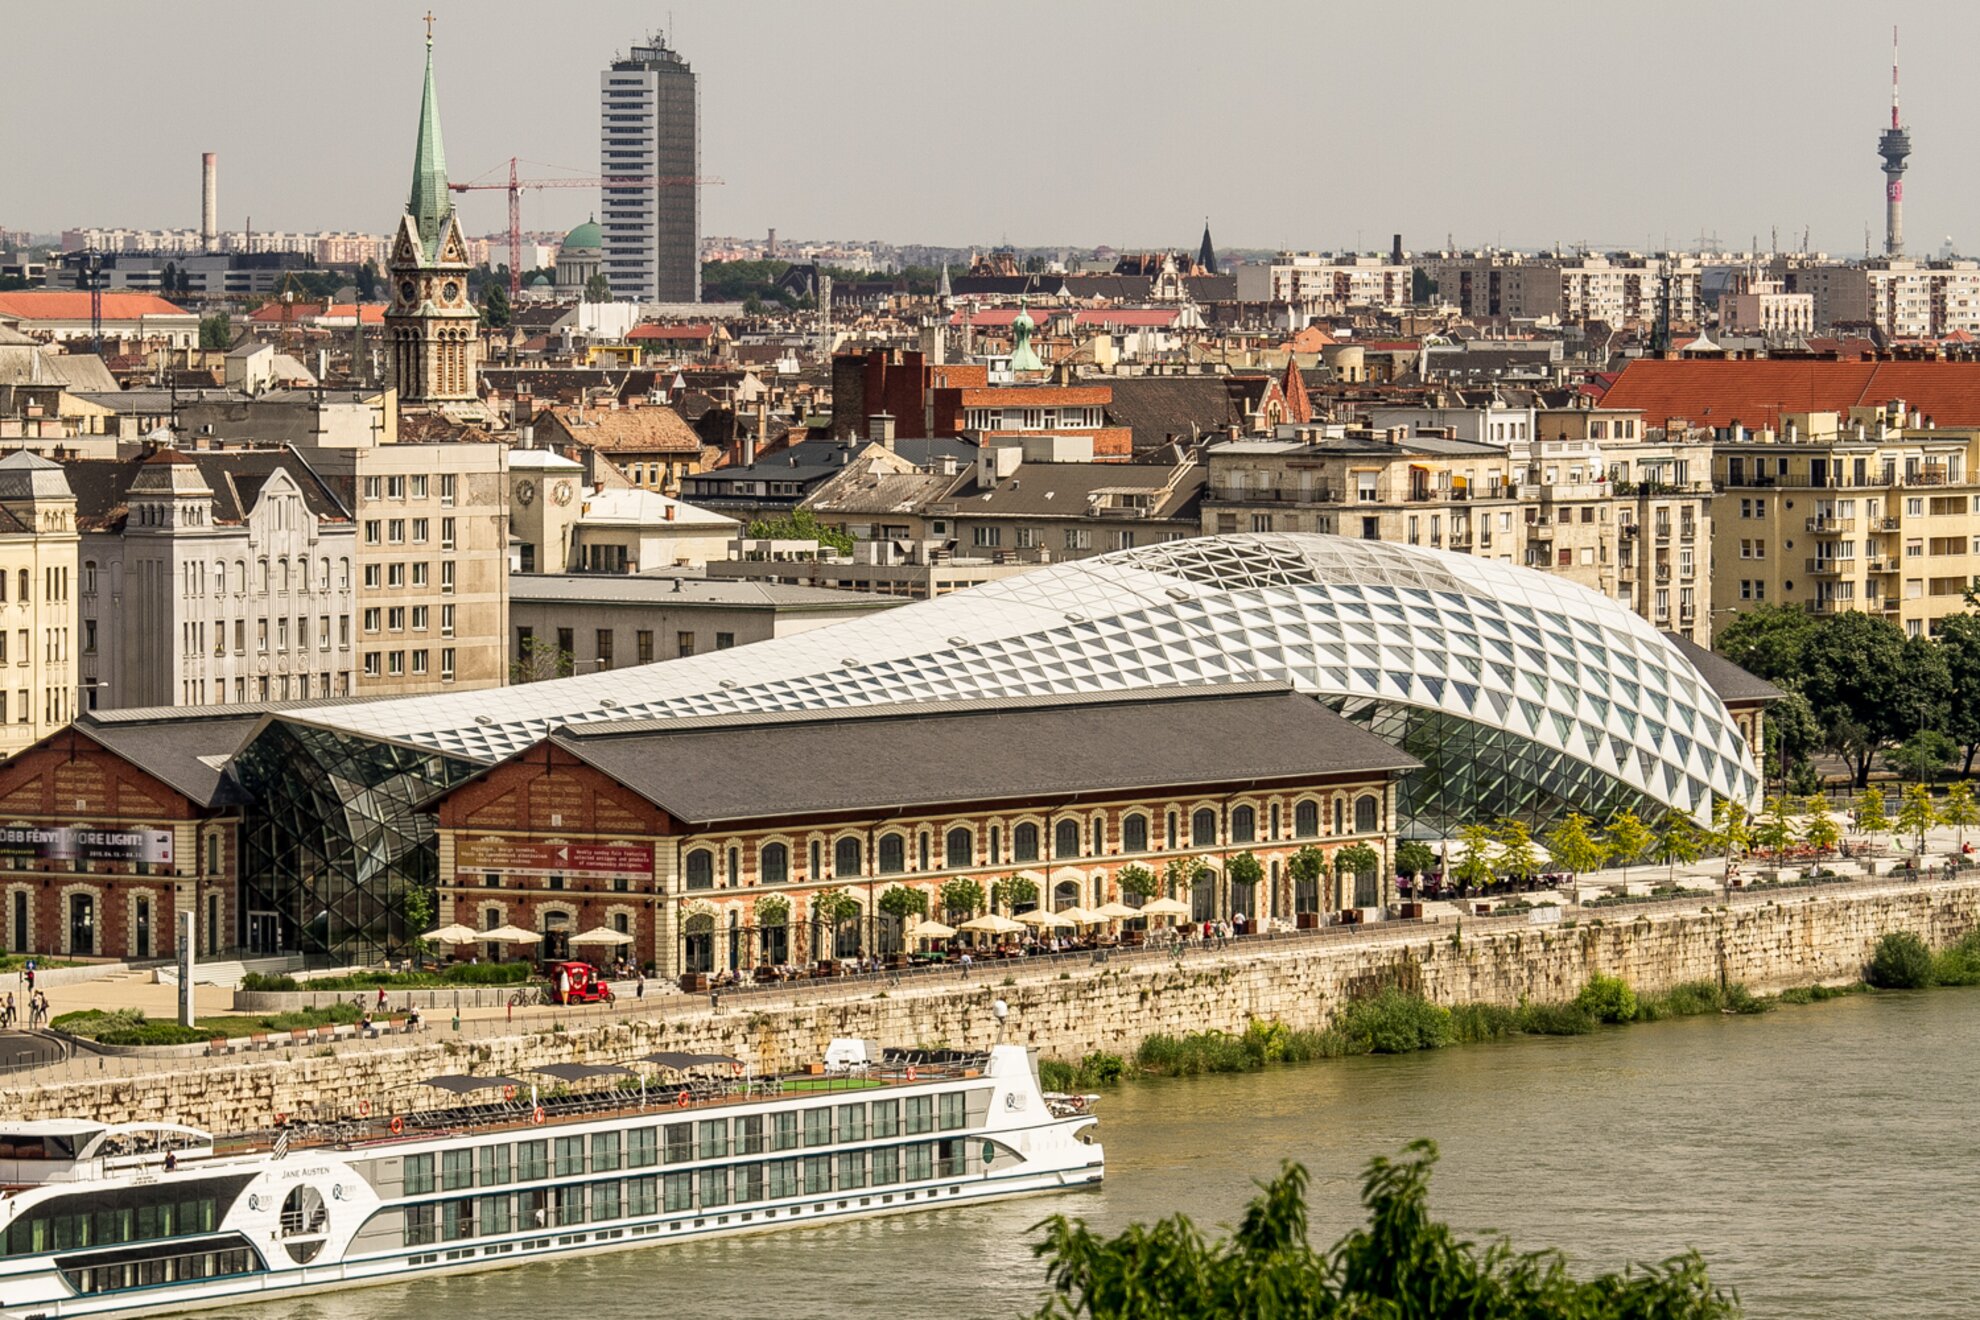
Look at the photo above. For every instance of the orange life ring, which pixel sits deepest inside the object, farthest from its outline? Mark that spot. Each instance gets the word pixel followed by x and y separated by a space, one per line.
pixel 536 1116
pixel 398 1125
pixel 736 1068
pixel 508 1093
pixel 364 1109
pixel 281 1120
pixel 910 1072
pixel 681 1099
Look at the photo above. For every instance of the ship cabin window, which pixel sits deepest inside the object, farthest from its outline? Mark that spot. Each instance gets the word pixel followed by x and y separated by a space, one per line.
pixel 570 1156
pixel 419 1174
pixel 713 1138
pixel 148 1213
pixel 604 1152
pixel 680 1143
pixel 886 1118
pixel 494 1165
pixel 456 1169
pixel 817 1127
pixel 920 1114
pixel 532 1160
pixel 642 1150
pixel 749 1135
pixel 784 1131
pixel 953 1109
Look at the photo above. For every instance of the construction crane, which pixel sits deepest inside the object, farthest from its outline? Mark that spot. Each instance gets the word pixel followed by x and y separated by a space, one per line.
pixel 516 185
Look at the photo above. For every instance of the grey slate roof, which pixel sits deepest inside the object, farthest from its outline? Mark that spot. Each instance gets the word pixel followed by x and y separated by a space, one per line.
pixel 1727 679
pixel 675 592
pixel 1062 490
pixel 893 757
pixel 186 754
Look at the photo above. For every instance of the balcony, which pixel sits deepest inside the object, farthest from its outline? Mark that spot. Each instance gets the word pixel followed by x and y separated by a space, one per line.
pixel 1271 495
pixel 1888 524
pixel 1663 531
pixel 1828 567
pixel 1663 572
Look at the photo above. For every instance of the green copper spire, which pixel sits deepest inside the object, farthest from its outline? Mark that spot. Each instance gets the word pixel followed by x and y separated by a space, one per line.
pixel 429 205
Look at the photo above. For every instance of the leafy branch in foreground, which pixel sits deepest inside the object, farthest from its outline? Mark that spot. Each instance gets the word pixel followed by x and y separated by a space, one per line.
pixel 1403 1265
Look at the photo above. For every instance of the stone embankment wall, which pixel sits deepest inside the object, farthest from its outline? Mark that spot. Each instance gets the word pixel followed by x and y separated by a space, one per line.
pixel 1769 944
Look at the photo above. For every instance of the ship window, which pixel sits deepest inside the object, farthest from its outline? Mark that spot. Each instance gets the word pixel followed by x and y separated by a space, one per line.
pixel 749 1182
pixel 886 1118
pixel 886 1165
pixel 817 1174
pixel 783 1179
pixel 640 1149
pixel 494 1165
pixel 570 1156
pixel 642 1195
pixel 422 1225
pixel 712 1187
pixel 852 1169
pixel 605 1199
pixel 714 1138
pixel 817 1127
pixel 852 1122
pixel 952 1110
pixel 419 1174
pixel 680 1191
pixel 920 1162
pixel 604 1152
pixel 494 1214
pixel 680 1142
pixel 532 1161
pixel 456 1169
pixel 749 1135
pixel 920 1114
pixel 784 1131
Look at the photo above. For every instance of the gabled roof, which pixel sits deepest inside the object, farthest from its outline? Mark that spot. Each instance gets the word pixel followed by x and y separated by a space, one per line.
pixel 1069 490
pixel 236 478
pixel 1728 680
pixel 186 755
pixel 739 767
pixel 648 429
pixel 31 305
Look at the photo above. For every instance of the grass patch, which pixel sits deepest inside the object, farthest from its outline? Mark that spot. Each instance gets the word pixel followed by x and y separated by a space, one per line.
pixel 129 1026
pixel 1555 1020
pixel 1477 1024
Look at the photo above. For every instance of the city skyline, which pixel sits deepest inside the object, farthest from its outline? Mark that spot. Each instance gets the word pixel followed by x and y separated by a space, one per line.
pixel 822 131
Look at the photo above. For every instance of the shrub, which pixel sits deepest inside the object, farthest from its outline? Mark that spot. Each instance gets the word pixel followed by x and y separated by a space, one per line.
pixel 267 981
pixel 1958 964
pixel 1473 1024
pixel 1607 999
pixel 1555 1020
pixel 1817 994
pixel 1392 1022
pixel 1194 1054
pixel 1901 962
pixel 496 973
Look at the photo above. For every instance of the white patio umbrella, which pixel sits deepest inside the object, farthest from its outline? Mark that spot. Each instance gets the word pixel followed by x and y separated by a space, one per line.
pixel 1116 910
pixel 602 935
pixel 1079 916
pixel 454 934
pixel 511 935
pixel 992 923
pixel 931 930
pixel 1044 920
pixel 1164 907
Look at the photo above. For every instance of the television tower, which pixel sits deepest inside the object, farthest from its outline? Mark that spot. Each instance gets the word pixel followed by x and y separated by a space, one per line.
pixel 1894 146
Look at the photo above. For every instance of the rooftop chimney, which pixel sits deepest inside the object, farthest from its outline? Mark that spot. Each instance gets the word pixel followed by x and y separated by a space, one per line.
pixel 209 201
pixel 880 428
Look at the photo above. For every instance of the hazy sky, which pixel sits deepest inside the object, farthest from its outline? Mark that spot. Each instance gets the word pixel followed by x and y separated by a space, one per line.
pixel 1290 125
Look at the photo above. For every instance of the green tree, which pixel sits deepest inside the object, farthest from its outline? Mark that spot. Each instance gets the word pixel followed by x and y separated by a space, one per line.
pixel 597 289
pixel 1415 857
pixel 1182 873
pixel 1791 736
pixel 495 310
pixel 1404 1265
pixel 1923 756
pixel 1958 638
pixel 1731 829
pixel 1959 810
pixel 1137 880
pixel 1869 811
pixel 1475 867
pixel 1818 828
pixel 1679 842
pixel 216 331
pixel 1304 868
pixel 771 910
pixel 1013 892
pixel 540 658
pixel 799 525
pixel 1768 641
pixel 1356 859
pixel 1574 848
pixel 902 902
pixel 962 897
pixel 1775 830
pixel 1244 869
pixel 1627 837
pixel 1916 814
pixel 1517 858
pixel 367 281
pixel 752 306
pixel 1858 674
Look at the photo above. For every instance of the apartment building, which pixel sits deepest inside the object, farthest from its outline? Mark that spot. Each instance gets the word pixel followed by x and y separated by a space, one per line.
pixel 1874 511
pixel 432 555
pixel 209 579
pixel 1904 298
pixel 1329 282
pixel 1619 288
pixel 38 541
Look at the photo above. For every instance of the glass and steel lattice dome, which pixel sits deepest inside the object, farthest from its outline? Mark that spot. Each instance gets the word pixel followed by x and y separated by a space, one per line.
pixel 1522 694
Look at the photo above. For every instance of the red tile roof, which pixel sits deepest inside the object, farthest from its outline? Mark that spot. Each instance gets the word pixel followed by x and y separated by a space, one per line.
pixel 1036 396
pixel 371 313
pixel 1709 393
pixel 64 305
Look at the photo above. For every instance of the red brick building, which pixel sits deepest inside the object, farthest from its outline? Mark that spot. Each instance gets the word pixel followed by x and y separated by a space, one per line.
pixel 113 826
pixel 709 841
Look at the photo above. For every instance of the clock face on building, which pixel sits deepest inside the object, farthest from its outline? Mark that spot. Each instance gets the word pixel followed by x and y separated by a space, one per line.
pixel 452 291
pixel 562 492
pixel 526 491
pixel 407 289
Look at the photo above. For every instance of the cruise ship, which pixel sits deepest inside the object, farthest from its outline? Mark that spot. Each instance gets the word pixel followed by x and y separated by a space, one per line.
pixel 148 1218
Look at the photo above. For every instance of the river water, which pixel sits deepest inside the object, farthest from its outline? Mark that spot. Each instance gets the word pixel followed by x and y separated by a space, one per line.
pixel 1824 1158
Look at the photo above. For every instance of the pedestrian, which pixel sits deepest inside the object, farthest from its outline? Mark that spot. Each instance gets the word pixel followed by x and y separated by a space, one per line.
pixel 381 998
pixel 639 987
pixel 29 973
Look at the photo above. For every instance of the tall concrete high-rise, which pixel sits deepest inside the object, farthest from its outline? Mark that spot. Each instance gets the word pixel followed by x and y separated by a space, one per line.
pixel 650 129
pixel 1894 146
pixel 209 201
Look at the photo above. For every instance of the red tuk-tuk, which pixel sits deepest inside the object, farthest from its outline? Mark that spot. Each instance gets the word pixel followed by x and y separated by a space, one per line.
pixel 578 983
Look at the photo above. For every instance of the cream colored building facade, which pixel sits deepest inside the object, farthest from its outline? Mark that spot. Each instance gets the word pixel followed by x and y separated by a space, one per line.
pixel 1871 512
pixel 38 584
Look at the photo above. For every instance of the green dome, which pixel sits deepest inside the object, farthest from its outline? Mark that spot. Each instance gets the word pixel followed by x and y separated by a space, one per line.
pixel 585 235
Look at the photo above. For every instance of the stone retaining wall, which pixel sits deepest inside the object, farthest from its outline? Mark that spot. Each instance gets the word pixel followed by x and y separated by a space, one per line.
pixel 1769 944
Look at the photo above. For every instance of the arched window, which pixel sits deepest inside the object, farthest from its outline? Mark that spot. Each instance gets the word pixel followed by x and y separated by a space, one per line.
pixel 1340 819
pixel 1203 828
pixel 219 578
pixel 1134 833
pixel 774 866
pixel 921 851
pixel 1172 829
pixel 1365 813
pixel 735 867
pixel 22 596
pixel 1275 821
pixel 893 854
pixel 1099 836
pixel 845 858
pixel 817 860
pixel 1065 839
pixel 958 849
pixel 240 577
pixel 701 869
pixel 1065 894
pixel 1244 825
pixel 1306 819
pixel 1024 843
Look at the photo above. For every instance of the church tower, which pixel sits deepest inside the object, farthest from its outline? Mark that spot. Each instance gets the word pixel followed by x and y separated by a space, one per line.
pixel 430 325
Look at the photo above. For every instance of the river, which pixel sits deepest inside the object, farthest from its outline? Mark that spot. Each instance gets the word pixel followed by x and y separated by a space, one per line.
pixel 1824 1158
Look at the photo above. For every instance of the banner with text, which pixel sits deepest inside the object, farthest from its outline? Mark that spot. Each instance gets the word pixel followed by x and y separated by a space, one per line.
pixel 72 843
pixel 597 861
